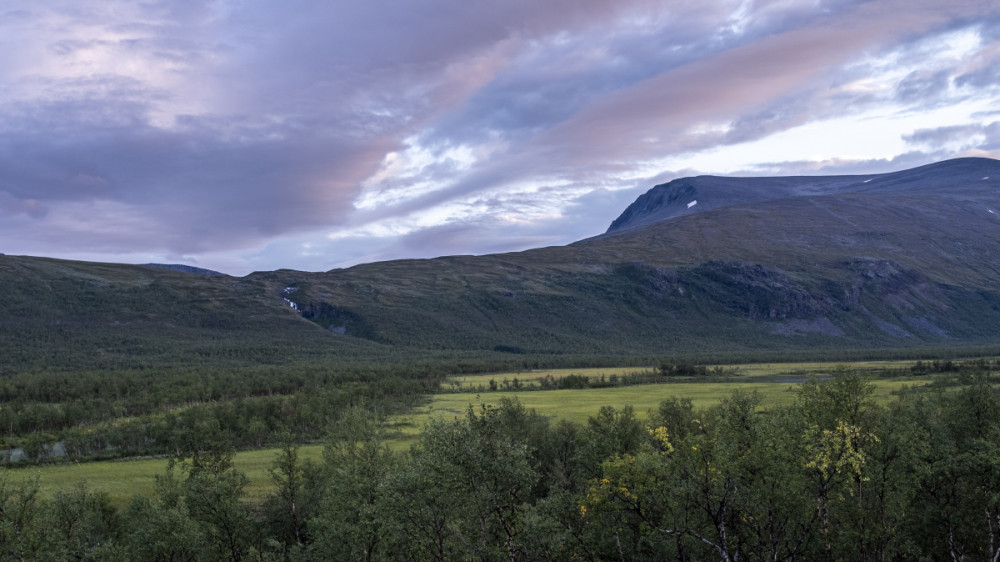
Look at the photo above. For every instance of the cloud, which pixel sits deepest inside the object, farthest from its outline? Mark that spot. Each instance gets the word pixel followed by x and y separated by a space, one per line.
pixel 720 97
pixel 957 138
pixel 839 166
pixel 11 205
pixel 237 132
pixel 213 181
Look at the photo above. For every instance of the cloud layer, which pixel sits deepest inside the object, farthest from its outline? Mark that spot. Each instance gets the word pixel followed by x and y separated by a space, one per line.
pixel 260 135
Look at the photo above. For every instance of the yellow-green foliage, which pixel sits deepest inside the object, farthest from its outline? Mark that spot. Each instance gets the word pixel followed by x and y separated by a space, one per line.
pixel 838 451
pixel 625 477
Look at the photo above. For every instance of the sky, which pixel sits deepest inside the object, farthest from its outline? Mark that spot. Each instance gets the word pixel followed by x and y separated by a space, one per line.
pixel 251 135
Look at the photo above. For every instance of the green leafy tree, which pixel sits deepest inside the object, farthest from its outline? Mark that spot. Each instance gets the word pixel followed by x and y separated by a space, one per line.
pixel 213 496
pixel 154 531
pixel 21 525
pixel 289 475
pixel 208 490
pixel 77 522
pixel 611 433
pixel 352 521
pixel 958 500
pixel 732 487
pixel 480 475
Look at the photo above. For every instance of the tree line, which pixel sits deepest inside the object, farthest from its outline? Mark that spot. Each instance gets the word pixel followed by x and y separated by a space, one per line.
pixel 835 476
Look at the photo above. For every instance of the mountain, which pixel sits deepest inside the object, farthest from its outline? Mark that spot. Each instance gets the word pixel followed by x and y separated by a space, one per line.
pixel 909 258
pixel 902 260
pixel 58 315
pixel 686 196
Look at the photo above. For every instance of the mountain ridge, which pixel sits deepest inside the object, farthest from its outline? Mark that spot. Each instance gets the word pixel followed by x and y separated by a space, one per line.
pixel 184 268
pixel 907 260
pixel 674 198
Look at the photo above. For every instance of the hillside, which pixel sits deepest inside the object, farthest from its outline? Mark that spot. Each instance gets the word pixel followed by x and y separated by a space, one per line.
pixel 65 315
pixel 904 259
pixel 908 259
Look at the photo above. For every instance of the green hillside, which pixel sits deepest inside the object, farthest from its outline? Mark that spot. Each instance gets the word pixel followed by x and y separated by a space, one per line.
pixel 905 260
pixel 60 315
pixel 900 264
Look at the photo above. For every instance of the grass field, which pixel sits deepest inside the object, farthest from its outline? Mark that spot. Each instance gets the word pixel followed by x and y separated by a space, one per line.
pixel 577 405
pixel 812 368
pixel 122 479
pixel 750 371
pixel 534 375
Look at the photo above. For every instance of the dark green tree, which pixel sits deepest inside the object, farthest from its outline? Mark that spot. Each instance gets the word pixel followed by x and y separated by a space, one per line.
pixel 352 521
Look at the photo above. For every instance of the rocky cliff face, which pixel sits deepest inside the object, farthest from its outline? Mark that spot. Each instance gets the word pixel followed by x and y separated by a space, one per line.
pixel 660 203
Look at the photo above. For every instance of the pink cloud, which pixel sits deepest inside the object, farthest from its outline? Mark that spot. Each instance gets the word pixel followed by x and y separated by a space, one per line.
pixel 724 86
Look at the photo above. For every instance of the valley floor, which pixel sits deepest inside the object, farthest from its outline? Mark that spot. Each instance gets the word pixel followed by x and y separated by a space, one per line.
pixel 776 384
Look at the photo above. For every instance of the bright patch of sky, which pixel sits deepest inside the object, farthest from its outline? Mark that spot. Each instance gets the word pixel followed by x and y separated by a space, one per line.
pixel 874 135
pixel 878 133
pixel 399 178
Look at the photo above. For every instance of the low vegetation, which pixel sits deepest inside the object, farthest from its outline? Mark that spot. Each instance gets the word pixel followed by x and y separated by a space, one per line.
pixel 842 469
pixel 98 415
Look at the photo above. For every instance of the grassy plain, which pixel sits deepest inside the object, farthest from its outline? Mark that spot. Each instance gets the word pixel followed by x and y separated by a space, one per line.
pixel 750 370
pixel 813 368
pixel 122 479
pixel 576 405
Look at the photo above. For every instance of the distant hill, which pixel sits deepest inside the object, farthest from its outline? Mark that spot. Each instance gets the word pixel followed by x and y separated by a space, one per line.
pixel 903 260
pixel 58 315
pixel 183 268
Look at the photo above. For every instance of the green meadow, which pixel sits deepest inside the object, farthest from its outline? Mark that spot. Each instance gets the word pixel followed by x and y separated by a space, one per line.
pixel 536 375
pixel 576 405
pixel 749 370
pixel 121 479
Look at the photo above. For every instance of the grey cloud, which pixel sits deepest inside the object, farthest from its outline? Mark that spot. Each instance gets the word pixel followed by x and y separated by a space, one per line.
pixel 922 85
pixel 987 76
pixel 985 72
pixel 550 85
pixel 70 46
pixel 11 205
pixel 581 218
pixel 210 186
pixel 836 166
pixel 785 114
pixel 942 135
pixel 939 137
pixel 463 238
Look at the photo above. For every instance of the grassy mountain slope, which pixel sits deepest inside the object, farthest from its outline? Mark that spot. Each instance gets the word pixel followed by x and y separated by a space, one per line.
pixel 904 259
pixel 895 260
pixel 64 315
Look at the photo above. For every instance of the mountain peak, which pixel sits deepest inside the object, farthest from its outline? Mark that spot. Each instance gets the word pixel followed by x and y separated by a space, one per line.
pixel 689 195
